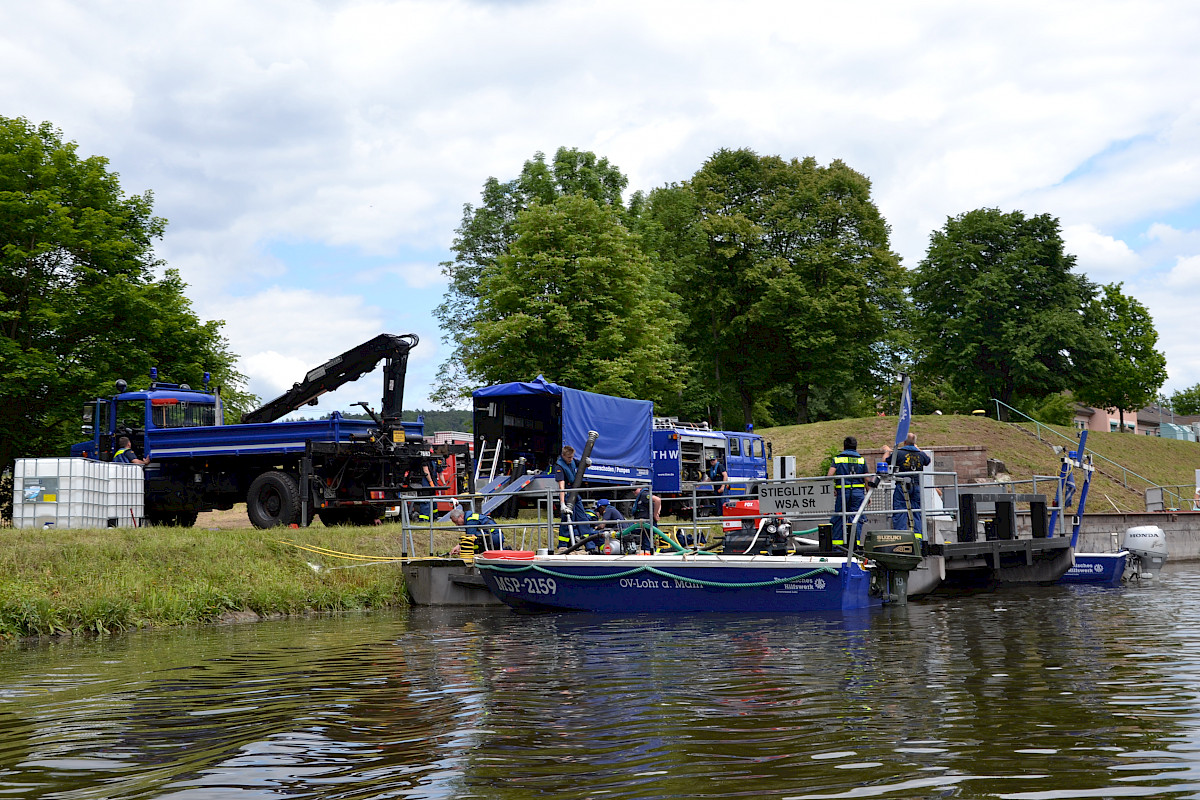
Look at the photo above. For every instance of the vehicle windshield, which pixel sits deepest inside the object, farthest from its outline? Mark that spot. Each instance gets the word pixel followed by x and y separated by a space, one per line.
pixel 183 414
pixel 131 415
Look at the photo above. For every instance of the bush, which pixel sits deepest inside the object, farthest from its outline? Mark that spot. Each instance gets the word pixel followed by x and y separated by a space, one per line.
pixel 1053 409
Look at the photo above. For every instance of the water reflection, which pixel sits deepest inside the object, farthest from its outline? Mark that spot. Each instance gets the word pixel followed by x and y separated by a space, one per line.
pixel 1048 693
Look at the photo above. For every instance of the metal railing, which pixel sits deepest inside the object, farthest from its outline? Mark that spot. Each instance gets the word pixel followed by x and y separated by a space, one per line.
pixel 706 507
pixel 1126 473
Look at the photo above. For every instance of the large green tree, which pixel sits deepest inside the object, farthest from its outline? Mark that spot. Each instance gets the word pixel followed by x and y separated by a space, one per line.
pixel 786 276
pixel 1001 314
pixel 1131 370
pixel 575 299
pixel 80 305
pixel 487 231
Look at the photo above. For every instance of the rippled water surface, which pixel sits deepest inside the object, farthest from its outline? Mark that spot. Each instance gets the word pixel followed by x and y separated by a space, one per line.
pixel 1046 693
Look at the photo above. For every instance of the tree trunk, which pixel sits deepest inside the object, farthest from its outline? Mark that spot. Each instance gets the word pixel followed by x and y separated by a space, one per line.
pixel 1006 396
pixel 717 372
pixel 747 409
pixel 802 404
pixel 1121 417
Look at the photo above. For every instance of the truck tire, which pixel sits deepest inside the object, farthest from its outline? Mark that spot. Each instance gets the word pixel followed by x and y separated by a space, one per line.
pixel 186 519
pixel 273 500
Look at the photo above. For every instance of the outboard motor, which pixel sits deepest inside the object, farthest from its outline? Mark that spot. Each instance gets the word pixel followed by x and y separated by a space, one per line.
pixel 1147 546
pixel 897 553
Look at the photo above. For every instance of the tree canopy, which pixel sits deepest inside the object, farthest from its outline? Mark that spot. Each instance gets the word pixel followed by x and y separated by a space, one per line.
pixel 1131 369
pixel 786 274
pixel 486 232
pixel 1000 311
pixel 80 305
pixel 574 299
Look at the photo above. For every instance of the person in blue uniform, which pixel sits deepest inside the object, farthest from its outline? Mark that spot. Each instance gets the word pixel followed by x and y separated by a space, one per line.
pixel 565 469
pixel 850 489
pixel 643 501
pixel 479 533
pixel 718 476
pixel 609 516
pixel 646 505
pixel 909 458
pixel 125 454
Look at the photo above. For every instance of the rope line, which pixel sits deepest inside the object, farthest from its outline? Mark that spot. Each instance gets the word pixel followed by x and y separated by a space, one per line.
pixel 321 551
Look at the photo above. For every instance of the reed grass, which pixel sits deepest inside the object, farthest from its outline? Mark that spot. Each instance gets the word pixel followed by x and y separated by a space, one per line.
pixel 59 581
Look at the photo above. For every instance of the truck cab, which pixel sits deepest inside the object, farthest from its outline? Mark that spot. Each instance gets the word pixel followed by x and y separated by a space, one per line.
pixel 682 451
pixel 133 413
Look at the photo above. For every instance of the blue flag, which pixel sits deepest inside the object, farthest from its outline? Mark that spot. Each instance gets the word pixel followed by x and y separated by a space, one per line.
pixel 905 412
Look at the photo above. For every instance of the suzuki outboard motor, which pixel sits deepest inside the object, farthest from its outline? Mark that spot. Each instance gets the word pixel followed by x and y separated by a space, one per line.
pixel 897 553
pixel 1147 545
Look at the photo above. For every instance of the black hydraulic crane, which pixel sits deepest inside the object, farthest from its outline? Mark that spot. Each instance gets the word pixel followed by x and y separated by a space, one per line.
pixel 340 370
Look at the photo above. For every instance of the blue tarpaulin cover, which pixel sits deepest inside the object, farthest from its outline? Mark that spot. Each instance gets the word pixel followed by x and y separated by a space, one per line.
pixel 625 426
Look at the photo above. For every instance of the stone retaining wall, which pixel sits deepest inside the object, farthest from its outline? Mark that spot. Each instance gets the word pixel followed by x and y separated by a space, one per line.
pixel 969 462
pixel 1096 535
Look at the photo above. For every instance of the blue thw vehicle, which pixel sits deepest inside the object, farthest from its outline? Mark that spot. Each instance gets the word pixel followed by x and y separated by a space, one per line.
pixel 342 470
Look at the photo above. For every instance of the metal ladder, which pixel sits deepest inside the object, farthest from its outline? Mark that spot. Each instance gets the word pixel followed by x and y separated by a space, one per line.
pixel 484 455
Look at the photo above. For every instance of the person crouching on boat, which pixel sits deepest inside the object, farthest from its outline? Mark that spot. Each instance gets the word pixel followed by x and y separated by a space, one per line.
pixel 565 469
pixel 609 515
pixel 479 534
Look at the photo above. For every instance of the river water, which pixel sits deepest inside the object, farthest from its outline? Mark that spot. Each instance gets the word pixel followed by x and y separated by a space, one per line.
pixel 1058 692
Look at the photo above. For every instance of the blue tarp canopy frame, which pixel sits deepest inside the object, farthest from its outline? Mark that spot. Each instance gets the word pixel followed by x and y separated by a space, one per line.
pixel 624 425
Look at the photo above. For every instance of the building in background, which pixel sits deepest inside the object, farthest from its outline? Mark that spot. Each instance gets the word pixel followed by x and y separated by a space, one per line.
pixel 1153 420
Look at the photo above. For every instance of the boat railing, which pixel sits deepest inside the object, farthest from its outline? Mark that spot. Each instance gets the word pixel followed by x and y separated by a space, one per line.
pixel 703 513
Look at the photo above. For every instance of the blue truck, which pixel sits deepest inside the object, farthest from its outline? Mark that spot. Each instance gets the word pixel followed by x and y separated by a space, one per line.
pixel 344 471
pixel 527 423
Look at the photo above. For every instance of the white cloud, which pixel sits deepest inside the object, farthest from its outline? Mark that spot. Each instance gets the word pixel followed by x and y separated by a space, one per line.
pixel 283 333
pixel 366 125
pixel 1185 274
pixel 1102 257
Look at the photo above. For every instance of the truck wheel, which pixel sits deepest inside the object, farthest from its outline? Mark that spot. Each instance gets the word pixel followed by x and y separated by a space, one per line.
pixel 186 519
pixel 273 500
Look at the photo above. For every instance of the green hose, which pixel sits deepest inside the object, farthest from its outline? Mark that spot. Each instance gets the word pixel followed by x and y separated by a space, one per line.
pixel 658 534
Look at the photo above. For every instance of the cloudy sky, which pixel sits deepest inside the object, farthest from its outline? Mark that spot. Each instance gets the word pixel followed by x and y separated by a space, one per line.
pixel 313 158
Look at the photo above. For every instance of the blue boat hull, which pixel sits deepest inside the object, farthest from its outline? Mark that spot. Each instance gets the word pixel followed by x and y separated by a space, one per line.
pixel 1099 569
pixel 664 583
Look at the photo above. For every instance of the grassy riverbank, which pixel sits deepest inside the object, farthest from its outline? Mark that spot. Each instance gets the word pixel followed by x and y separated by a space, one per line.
pixel 59 581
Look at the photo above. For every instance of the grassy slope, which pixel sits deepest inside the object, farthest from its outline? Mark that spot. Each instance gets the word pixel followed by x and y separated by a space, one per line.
pixel 96 581
pixel 1165 461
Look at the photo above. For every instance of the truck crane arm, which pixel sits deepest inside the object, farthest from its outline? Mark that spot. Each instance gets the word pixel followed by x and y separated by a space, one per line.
pixel 340 370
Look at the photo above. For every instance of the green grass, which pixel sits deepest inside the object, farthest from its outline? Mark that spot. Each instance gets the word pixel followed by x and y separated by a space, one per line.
pixel 1163 461
pixel 58 581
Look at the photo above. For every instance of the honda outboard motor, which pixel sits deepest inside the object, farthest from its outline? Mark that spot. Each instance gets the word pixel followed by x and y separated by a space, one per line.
pixel 1147 546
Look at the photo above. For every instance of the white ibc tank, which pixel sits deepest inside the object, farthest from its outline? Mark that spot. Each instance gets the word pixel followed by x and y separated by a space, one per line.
pixel 76 493
pixel 1148 544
